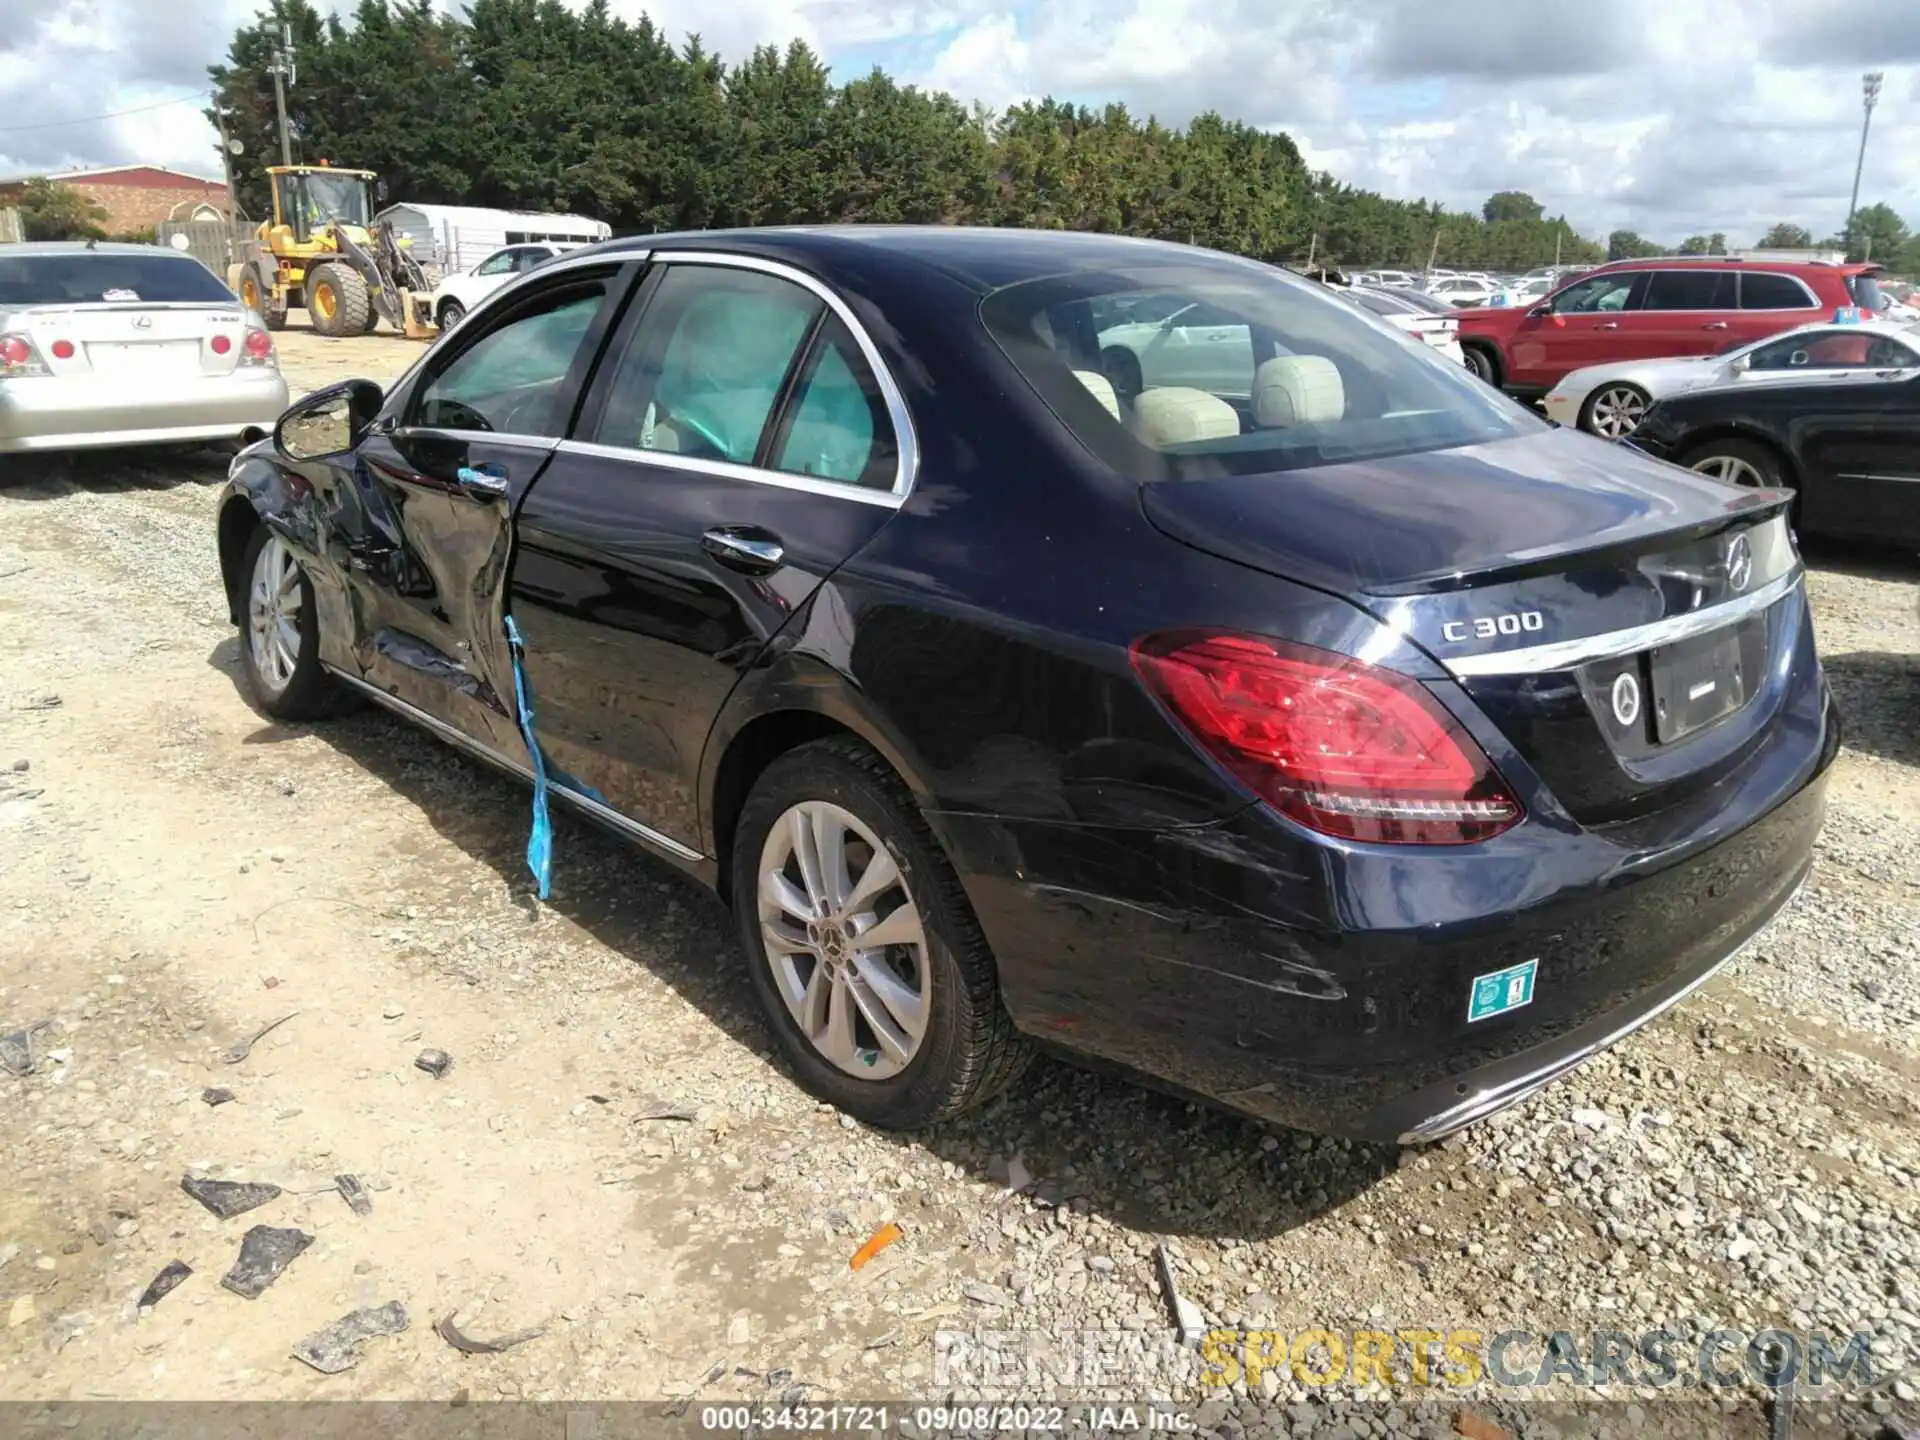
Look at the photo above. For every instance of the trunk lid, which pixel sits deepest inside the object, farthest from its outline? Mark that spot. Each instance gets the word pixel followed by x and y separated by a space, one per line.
pixel 137 341
pixel 1539 571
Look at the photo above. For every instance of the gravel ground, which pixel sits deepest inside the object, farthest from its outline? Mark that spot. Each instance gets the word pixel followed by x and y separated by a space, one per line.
pixel 179 873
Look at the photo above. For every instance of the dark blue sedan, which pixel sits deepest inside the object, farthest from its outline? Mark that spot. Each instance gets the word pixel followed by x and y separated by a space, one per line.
pixel 1069 640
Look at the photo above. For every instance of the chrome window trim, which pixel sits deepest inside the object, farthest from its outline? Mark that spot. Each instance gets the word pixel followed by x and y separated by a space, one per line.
pixel 727 470
pixel 1566 654
pixel 479 437
pixel 906 443
pixel 461 740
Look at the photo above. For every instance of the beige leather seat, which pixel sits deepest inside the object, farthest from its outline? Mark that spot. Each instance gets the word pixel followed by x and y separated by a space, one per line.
pixel 1298 390
pixel 1175 414
pixel 1101 389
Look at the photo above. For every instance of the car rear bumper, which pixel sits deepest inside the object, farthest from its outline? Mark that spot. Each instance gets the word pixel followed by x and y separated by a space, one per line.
pixel 54 413
pixel 1216 961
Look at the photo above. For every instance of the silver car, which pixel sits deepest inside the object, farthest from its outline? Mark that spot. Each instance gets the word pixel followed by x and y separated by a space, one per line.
pixel 127 345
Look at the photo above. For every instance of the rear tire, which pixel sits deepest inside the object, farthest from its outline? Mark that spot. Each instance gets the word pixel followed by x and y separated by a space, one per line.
pixel 280 636
pixel 338 301
pixel 1482 363
pixel 922 1011
pixel 1740 462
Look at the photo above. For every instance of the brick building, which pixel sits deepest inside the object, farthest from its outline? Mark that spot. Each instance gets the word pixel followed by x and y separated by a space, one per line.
pixel 138 197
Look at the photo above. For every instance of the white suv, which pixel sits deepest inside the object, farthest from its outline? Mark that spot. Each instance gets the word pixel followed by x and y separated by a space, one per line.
pixel 457 294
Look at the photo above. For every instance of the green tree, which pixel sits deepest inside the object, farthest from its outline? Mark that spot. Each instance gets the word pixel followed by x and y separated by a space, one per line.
pixel 1876 232
pixel 52 211
pixel 1786 236
pixel 1696 245
pixel 1716 244
pixel 1629 245
pixel 1510 205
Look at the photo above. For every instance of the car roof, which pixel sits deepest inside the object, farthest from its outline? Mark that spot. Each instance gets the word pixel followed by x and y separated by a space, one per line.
pixel 981 258
pixel 1732 262
pixel 83 247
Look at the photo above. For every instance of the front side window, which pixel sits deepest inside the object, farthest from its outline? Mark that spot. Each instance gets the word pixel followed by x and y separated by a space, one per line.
pixel 707 363
pixel 1274 373
pixel 1597 293
pixel 1763 290
pixel 1690 290
pixel 508 381
pixel 499 263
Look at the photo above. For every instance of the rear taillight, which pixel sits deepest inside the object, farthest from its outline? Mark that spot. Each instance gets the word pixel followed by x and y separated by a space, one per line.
pixel 221 344
pixel 18 358
pixel 1343 747
pixel 259 349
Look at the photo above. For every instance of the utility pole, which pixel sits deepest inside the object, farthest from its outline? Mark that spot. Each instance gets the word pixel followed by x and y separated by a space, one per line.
pixel 226 160
pixel 282 78
pixel 1432 255
pixel 1869 95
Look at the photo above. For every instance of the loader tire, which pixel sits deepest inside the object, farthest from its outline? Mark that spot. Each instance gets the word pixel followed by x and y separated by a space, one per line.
pixel 338 302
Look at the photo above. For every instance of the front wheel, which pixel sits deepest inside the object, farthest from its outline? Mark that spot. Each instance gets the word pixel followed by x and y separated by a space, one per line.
pixel 1481 362
pixel 338 300
pixel 451 313
pixel 280 636
pixel 1614 411
pixel 861 946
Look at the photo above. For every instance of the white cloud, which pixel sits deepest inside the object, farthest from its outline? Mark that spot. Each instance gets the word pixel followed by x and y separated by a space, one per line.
pixel 1667 116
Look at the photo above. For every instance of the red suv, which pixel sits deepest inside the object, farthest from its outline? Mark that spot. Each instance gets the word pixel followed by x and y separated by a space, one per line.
pixel 1647 309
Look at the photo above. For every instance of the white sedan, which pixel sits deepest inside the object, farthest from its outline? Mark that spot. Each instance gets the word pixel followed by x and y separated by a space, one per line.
pixel 1463 290
pixel 1420 317
pixel 457 294
pixel 1609 400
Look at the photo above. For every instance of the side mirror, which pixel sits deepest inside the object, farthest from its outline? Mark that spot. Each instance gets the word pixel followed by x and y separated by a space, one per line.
pixel 1542 310
pixel 1741 364
pixel 329 421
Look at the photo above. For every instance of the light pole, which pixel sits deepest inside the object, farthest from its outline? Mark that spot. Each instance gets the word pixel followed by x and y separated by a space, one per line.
pixel 1869 93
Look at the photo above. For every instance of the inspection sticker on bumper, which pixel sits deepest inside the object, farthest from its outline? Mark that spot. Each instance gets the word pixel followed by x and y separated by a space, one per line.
pixel 1501 991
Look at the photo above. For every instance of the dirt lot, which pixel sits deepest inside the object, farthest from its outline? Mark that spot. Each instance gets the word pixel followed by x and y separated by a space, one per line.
pixel 178 873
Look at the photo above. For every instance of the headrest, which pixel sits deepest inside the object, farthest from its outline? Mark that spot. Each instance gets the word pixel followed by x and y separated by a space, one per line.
pixel 1298 390
pixel 1101 389
pixel 1172 414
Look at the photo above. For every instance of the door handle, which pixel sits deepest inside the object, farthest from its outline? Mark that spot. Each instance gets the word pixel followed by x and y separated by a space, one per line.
pixel 1715 325
pixel 483 481
pixel 744 548
pixel 1608 325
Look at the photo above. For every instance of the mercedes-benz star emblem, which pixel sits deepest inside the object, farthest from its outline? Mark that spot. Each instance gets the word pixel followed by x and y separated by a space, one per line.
pixel 1626 698
pixel 1739 562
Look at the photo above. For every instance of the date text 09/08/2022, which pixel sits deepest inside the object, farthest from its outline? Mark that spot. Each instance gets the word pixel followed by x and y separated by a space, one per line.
pixel 940 1419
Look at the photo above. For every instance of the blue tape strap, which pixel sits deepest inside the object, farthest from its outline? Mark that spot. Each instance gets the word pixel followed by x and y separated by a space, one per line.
pixel 540 838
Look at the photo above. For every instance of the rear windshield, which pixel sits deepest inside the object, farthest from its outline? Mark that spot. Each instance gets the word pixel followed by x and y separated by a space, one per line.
pixel 1189 371
pixel 1866 292
pixel 85 278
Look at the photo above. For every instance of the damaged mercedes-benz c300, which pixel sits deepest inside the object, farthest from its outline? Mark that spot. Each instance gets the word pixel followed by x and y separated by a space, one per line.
pixel 1057 639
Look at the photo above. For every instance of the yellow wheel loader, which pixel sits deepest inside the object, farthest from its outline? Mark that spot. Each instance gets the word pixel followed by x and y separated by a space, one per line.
pixel 321 250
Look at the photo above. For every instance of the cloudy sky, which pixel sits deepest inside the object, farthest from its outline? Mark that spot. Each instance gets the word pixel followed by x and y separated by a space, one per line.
pixel 1667 116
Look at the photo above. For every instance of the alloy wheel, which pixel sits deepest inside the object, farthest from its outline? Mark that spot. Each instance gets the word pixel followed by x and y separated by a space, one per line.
pixel 1733 470
pixel 1617 411
pixel 844 939
pixel 273 614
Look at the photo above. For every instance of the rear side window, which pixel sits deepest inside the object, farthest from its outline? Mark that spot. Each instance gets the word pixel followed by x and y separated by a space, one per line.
pixel 836 426
pixel 1690 290
pixel 1865 291
pixel 507 380
pixel 95 278
pixel 1762 290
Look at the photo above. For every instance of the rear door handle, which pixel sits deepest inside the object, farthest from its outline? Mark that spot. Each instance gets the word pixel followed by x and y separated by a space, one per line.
pixel 744 547
pixel 483 482
pixel 1715 325
pixel 1608 325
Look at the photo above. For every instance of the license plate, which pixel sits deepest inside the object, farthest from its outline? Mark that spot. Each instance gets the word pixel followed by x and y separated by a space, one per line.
pixel 1696 682
pixel 1499 991
pixel 143 357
